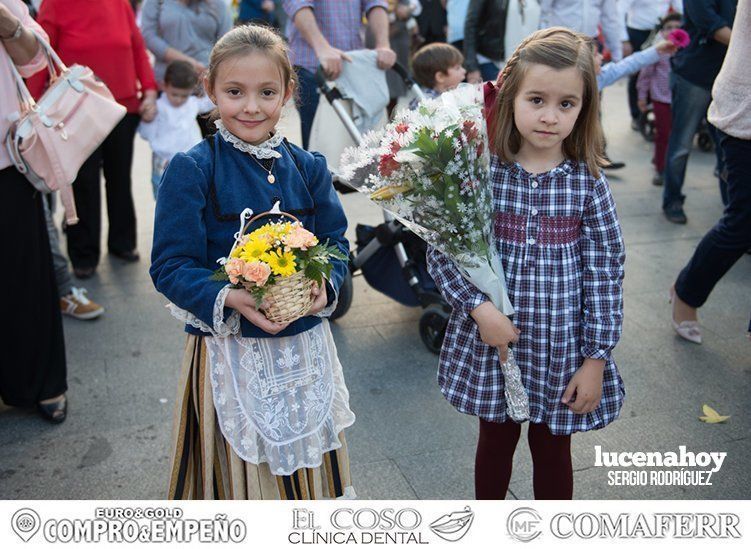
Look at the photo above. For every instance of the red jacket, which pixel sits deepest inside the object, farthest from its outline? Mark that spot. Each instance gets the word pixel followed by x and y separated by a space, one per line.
pixel 101 34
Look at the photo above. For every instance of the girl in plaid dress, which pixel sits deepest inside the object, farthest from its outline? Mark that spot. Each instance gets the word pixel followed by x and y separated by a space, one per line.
pixel 560 243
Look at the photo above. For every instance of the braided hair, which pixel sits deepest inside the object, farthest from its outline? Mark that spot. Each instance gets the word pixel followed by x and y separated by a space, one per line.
pixel 558 48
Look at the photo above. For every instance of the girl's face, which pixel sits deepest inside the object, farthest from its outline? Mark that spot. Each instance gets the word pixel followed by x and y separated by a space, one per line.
pixel 669 27
pixel 546 107
pixel 249 94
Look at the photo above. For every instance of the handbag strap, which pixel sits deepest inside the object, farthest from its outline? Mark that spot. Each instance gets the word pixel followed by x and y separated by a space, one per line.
pixel 54 64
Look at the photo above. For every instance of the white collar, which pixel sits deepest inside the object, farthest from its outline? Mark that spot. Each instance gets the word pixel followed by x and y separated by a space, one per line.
pixel 262 151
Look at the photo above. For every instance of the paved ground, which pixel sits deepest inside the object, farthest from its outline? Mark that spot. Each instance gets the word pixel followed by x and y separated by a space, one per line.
pixel 407 441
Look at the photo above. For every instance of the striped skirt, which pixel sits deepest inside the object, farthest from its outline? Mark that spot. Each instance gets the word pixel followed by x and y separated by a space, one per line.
pixel 204 465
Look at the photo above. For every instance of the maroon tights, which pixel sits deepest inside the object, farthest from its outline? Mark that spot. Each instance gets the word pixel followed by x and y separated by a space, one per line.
pixel 551 460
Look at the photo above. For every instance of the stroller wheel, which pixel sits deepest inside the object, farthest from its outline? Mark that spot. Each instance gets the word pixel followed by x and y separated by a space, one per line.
pixel 433 327
pixel 345 297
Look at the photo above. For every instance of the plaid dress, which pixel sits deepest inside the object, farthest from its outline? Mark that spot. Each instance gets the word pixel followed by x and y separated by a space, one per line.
pixel 561 247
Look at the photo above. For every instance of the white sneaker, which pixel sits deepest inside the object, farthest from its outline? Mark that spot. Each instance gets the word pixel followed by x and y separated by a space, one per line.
pixel 77 305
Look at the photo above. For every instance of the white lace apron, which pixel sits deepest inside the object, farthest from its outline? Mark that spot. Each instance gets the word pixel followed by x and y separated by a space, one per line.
pixel 280 400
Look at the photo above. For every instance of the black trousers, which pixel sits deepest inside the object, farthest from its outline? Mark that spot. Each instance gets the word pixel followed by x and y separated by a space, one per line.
pixel 637 38
pixel 114 157
pixel 730 238
pixel 32 367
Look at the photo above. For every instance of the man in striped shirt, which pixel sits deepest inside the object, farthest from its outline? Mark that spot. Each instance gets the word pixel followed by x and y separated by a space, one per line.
pixel 321 33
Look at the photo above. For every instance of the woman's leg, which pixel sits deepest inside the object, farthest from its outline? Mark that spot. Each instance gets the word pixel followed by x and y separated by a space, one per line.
pixel 729 239
pixel 118 159
pixel 33 366
pixel 494 458
pixel 551 459
pixel 83 237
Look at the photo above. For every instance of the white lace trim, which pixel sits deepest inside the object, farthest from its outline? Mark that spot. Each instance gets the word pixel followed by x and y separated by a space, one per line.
pixel 220 328
pixel 231 326
pixel 329 310
pixel 280 400
pixel 262 151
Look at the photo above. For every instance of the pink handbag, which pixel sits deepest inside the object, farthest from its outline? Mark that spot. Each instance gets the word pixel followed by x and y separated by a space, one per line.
pixel 52 138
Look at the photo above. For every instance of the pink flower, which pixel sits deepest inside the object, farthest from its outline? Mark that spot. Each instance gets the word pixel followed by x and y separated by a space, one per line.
pixel 469 130
pixel 300 238
pixel 257 272
pixel 234 269
pixel 402 128
pixel 387 165
pixel 680 38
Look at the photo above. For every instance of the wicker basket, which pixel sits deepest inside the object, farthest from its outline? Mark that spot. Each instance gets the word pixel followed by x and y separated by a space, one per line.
pixel 289 298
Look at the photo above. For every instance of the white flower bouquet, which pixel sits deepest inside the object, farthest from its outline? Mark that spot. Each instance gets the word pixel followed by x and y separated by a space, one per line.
pixel 430 168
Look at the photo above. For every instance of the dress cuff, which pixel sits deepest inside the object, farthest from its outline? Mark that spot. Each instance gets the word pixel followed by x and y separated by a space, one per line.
pixel 229 325
pixel 331 307
pixel 596 353
pixel 472 302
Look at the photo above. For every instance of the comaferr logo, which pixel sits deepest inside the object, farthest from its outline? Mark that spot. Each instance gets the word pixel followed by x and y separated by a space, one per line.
pixel 645 525
pixel 524 524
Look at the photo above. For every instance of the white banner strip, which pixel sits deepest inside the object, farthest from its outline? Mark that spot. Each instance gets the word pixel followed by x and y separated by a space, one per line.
pixel 348 523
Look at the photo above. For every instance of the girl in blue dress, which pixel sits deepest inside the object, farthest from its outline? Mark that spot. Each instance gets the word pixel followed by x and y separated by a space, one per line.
pixel 262 406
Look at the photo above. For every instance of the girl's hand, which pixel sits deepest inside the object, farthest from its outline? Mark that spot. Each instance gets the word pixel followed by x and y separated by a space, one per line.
pixel 495 328
pixel 245 304
pixel 664 47
pixel 319 304
pixel 642 104
pixel 584 391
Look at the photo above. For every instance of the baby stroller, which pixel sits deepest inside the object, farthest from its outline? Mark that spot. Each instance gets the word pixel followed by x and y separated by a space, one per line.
pixel 390 257
pixel 703 137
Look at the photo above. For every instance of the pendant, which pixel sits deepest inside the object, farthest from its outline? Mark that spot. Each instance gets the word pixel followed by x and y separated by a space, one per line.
pixel 271 179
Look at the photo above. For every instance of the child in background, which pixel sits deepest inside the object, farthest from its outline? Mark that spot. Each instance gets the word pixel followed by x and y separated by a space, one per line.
pixel 653 85
pixel 262 406
pixel 560 243
pixel 175 128
pixel 437 68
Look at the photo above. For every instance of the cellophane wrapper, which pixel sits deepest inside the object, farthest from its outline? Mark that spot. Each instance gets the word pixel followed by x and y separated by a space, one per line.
pixel 430 168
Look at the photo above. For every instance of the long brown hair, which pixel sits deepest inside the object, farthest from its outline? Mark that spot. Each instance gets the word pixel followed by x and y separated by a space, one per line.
pixel 558 48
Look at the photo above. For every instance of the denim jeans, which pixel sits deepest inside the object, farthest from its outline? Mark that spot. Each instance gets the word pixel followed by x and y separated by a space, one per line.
pixel 730 238
pixel 689 107
pixel 308 103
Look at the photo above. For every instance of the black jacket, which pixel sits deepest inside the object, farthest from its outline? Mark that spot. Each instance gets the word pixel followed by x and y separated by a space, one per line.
pixel 700 61
pixel 484 31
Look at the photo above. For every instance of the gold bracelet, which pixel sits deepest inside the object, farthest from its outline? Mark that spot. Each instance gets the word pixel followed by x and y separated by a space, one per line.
pixel 16 33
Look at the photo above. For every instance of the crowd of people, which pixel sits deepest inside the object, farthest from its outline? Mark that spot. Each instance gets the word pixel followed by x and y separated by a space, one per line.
pixel 218 73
